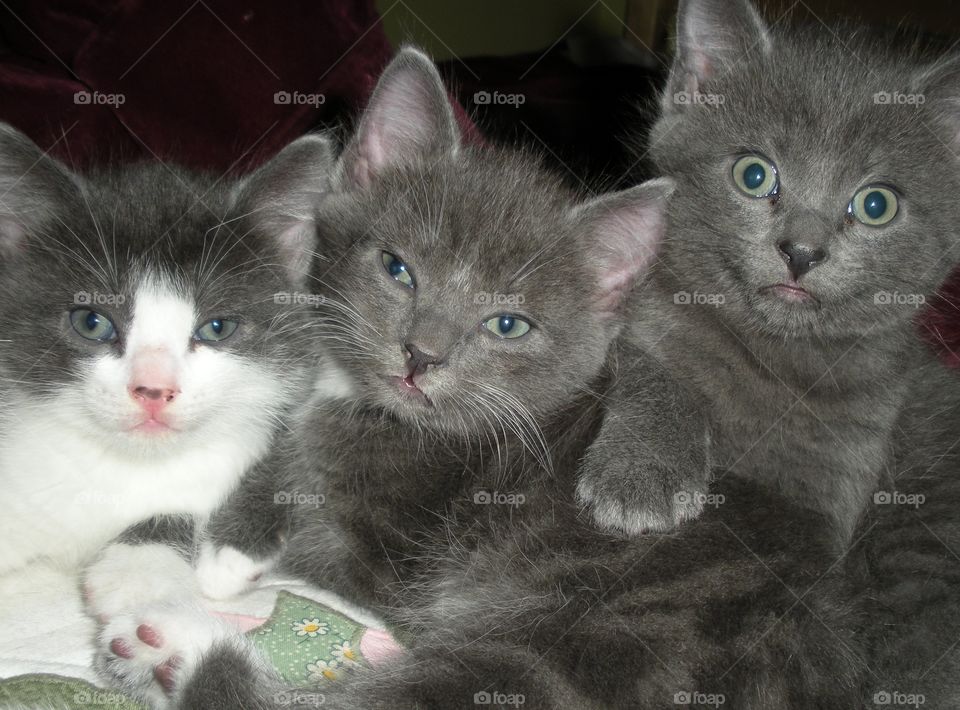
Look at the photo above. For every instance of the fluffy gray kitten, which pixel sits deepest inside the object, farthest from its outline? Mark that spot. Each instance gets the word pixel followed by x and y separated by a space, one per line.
pixel 145 360
pixel 476 303
pixel 813 214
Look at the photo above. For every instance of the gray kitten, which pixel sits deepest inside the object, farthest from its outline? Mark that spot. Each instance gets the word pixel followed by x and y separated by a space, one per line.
pixel 476 303
pixel 813 214
pixel 806 227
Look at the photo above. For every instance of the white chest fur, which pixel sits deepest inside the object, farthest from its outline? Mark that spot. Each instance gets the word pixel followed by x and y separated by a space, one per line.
pixel 64 494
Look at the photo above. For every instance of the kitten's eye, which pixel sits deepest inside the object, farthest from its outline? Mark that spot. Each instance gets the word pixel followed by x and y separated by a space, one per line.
pixel 756 176
pixel 92 325
pixel 216 330
pixel 507 326
pixel 397 269
pixel 874 206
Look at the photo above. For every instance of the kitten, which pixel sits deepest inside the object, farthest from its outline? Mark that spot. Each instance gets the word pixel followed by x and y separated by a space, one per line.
pixel 146 359
pixel 806 227
pixel 479 302
pixel 813 214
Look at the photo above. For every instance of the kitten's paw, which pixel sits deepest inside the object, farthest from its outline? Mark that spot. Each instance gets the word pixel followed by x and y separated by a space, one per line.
pixel 635 499
pixel 153 653
pixel 226 572
pixel 125 577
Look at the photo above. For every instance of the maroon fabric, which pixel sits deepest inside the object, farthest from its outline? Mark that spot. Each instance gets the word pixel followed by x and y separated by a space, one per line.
pixel 189 82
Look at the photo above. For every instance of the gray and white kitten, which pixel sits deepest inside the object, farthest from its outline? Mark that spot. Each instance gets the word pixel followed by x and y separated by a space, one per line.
pixel 477 303
pixel 814 211
pixel 145 359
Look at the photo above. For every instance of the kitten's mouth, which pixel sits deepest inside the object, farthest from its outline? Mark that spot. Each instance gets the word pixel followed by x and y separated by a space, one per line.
pixel 408 388
pixel 791 293
pixel 152 427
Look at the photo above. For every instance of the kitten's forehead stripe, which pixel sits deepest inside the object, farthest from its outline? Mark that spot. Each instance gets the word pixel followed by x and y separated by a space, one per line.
pixel 162 317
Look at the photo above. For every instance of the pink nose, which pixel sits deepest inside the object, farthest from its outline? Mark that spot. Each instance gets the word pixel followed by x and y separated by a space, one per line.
pixel 153 399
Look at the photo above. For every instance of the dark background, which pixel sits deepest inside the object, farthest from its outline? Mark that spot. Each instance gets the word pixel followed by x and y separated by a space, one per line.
pixel 195 82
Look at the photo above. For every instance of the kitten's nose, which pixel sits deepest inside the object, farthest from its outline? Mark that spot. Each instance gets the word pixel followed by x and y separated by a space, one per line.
pixel 800 258
pixel 153 398
pixel 420 360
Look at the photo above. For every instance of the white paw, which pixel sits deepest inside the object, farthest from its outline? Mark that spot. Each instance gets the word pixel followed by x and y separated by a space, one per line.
pixel 125 577
pixel 152 653
pixel 226 572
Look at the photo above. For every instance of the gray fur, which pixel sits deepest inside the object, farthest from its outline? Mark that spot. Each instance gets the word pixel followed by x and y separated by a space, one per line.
pixel 825 403
pixel 531 598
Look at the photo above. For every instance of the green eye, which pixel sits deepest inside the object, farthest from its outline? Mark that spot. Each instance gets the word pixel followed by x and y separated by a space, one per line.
pixel 397 269
pixel 92 325
pixel 756 176
pixel 507 326
pixel 874 206
pixel 215 330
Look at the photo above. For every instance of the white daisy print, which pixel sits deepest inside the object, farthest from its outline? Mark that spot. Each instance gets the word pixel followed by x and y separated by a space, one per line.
pixel 345 653
pixel 310 627
pixel 321 670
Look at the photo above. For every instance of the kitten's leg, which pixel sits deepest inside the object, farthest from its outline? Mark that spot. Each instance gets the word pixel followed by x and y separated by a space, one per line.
pixel 244 538
pixel 648 468
pixel 148 561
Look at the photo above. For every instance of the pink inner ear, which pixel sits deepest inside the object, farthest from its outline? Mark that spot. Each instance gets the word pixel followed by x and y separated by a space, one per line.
pixel 629 245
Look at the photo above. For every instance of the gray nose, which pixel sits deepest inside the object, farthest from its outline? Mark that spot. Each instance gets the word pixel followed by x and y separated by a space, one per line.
pixel 420 360
pixel 800 258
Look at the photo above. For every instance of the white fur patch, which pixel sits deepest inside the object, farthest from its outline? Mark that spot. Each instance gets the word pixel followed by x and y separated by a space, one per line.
pixel 226 572
pixel 127 577
pixel 75 475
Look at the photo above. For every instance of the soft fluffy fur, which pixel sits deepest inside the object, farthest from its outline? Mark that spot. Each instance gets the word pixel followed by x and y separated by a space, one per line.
pixel 160 252
pixel 830 402
pixel 515 596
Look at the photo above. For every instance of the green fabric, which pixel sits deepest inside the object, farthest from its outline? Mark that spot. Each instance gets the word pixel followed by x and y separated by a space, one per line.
pixel 308 642
pixel 38 690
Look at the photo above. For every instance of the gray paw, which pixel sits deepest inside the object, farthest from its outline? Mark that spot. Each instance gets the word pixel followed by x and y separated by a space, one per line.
pixel 626 491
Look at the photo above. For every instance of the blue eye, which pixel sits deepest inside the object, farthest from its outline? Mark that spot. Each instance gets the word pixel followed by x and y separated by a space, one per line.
pixel 507 326
pixel 756 176
pixel 397 269
pixel 92 325
pixel 215 330
pixel 874 206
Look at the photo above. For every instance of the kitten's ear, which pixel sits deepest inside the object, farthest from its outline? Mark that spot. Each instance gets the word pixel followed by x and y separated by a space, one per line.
pixel 623 231
pixel 713 36
pixel 940 86
pixel 409 117
pixel 33 188
pixel 281 198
